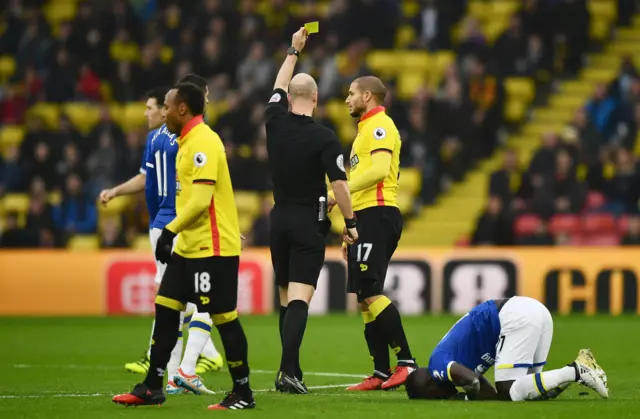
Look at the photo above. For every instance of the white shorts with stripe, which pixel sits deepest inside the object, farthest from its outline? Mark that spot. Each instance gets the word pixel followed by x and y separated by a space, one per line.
pixel 526 332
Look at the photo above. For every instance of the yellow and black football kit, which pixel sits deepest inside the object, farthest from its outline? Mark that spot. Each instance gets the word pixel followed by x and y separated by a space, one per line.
pixel 373 182
pixel 204 267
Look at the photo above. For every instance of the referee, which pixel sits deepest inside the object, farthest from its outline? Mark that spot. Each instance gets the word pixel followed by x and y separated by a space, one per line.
pixel 301 152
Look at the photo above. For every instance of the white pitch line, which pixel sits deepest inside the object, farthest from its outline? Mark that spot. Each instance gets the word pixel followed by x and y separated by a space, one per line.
pixel 80 366
pixel 60 395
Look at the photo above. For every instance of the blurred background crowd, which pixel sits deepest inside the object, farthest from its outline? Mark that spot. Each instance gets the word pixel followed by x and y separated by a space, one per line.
pixel 96 55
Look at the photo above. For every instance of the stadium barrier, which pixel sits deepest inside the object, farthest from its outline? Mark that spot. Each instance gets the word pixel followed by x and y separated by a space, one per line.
pixel 567 280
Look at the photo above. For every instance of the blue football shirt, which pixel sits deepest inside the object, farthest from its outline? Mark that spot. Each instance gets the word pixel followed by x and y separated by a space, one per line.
pixel 470 342
pixel 161 176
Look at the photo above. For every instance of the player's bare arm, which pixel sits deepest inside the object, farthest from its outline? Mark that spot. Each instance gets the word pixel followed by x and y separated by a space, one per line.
pixel 342 195
pixel 130 187
pixel 285 74
pixel 475 386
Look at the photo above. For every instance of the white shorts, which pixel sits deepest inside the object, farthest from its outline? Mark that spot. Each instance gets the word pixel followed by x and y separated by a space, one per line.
pixel 154 235
pixel 526 331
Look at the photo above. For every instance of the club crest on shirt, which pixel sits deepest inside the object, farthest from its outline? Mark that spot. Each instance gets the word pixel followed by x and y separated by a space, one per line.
pixel 199 159
pixel 275 98
pixel 379 133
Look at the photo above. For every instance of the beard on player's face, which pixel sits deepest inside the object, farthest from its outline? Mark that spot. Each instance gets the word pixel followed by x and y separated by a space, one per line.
pixel 357 109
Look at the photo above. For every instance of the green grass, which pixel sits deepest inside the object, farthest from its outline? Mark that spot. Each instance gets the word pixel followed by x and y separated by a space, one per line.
pixel 45 364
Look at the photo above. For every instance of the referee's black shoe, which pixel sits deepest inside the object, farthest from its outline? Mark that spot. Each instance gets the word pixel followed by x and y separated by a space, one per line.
pixel 291 385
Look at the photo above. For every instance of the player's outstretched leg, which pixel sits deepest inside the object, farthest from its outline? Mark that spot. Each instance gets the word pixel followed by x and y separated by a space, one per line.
pixel 164 340
pixel 379 351
pixel 550 384
pixel 236 350
pixel 388 322
pixel 199 333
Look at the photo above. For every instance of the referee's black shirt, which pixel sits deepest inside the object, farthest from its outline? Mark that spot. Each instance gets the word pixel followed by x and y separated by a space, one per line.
pixel 301 151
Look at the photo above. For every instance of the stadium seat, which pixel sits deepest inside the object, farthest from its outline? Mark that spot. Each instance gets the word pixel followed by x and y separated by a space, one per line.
pixel 247 202
pixel 83 242
pixel 405 202
pixel 415 61
pixel 606 9
pixel 15 203
pixel 49 112
pixel 595 200
pixel 623 224
pixel 383 63
pixel 577 87
pixel 515 110
pixel 141 242
pixel 116 206
pixel 567 102
pixel 409 83
pixel 527 224
pixel 599 28
pixel 83 116
pixel 7 67
pixel 54 198
pixel 595 224
pixel 133 116
pixel 608 239
pixel 405 37
pixel 245 222
pixel 410 180
pixel 520 88
pixel 564 223
pixel 553 116
pixel 600 75
pixel 11 135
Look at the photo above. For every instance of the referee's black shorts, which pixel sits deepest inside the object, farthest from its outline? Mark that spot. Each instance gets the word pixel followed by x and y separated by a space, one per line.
pixel 379 230
pixel 297 244
pixel 211 283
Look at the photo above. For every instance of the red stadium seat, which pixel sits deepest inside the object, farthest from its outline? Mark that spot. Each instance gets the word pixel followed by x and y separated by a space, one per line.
pixel 463 241
pixel 594 224
pixel 623 224
pixel 595 200
pixel 564 223
pixel 527 224
pixel 609 239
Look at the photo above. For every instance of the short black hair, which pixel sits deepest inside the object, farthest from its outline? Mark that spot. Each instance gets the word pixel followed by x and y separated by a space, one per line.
pixel 199 81
pixel 158 94
pixel 192 96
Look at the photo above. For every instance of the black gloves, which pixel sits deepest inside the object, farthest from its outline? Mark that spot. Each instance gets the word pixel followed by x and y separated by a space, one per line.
pixel 164 246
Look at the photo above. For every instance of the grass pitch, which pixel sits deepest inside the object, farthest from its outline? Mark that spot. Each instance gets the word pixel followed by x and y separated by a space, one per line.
pixel 70 367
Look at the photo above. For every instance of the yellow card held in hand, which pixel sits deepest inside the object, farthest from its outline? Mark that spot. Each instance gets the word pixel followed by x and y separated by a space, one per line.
pixel 312 27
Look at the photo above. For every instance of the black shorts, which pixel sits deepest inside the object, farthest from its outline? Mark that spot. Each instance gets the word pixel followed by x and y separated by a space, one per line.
pixel 379 231
pixel 210 283
pixel 297 244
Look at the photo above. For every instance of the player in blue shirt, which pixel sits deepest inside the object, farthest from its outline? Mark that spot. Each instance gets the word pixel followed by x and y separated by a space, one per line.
pixel 157 178
pixel 514 334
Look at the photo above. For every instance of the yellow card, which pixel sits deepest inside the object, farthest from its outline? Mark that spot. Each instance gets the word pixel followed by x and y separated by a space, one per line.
pixel 312 27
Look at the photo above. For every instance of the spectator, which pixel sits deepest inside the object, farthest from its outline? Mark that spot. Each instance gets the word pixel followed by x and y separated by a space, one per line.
pixel 13 236
pixel 506 183
pixel 255 73
pixel 76 214
pixel 511 48
pixel 88 87
pixel 541 237
pixel 261 228
pixel 39 226
pixel 544 158
pixel 71 162
pixel 493 227
pixel 432 25
pixel 111 235
pixel 102 165
pixel 13 179
pixel 623 190
pixel 568 192
pixel 12 107
pixel 620 88
pixel 632 235
pixel 602 111
pixel 43 165
pixel 60 83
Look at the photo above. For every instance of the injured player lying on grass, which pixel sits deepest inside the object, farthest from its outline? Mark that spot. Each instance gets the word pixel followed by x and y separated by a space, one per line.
pixel 514 334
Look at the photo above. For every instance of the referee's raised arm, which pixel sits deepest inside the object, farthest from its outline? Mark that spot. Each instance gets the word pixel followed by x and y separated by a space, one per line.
pixel 301 153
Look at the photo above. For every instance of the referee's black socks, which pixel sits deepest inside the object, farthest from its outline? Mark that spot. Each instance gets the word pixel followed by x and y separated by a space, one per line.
pixel 165 337
pixel 283 313
pixel 293 327
pixel 390 324
pixel 236 349
pixel 377 344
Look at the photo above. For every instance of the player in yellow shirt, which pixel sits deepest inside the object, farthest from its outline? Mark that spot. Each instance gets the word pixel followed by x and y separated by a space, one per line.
pixel 373 182
pixel 204 266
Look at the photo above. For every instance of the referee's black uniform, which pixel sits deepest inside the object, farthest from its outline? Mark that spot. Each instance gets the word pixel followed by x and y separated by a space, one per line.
pixel 301 151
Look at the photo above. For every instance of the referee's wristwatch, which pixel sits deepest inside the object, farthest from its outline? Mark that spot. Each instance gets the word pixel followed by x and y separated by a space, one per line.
pixel 293 51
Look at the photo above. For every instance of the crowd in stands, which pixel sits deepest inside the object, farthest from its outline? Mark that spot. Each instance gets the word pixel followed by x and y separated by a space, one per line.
pixel 582 186
pixel 137 45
